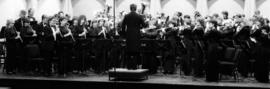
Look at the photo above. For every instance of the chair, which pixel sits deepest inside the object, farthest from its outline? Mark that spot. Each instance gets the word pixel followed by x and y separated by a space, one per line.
pixel 34 58
pixel 228 64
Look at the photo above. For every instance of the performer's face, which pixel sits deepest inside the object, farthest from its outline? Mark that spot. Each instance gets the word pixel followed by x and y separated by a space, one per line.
pixel 82 22
pixel 45 20
pixel 22 15
pixel 52 22
pixel 75 22
pixel 10 24
pixel 210 25
pixel 63 22
pixel 31 13
pixel 101 23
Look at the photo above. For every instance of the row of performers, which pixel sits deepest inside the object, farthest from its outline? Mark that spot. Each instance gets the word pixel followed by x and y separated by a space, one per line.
pixel 59 37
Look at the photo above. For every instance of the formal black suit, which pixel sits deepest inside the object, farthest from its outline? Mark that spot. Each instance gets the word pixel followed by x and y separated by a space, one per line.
pixel 132 24
pixel 19 23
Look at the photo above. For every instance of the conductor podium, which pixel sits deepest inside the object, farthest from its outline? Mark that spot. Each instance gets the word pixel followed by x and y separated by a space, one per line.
pixel 118 73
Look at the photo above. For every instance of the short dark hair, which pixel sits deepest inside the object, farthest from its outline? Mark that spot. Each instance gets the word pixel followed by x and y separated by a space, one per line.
pixel 43 17
pixel 225 13
pixel 213 22
pixel 179 14
pixel 133 7
pixel 215 15
pixel 187 16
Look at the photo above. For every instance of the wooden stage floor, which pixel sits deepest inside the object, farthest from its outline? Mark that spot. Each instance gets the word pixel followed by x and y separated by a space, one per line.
pixel 24 80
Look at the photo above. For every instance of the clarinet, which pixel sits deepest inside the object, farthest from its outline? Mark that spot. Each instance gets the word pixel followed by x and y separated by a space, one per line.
pixel 19 35
pixel 69 31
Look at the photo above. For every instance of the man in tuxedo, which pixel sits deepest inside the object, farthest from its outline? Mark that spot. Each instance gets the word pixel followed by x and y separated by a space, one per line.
pixel 132 24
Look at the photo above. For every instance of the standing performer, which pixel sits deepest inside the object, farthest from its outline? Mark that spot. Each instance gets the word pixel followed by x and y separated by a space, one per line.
pixel 13 43
pixel 66 47
pixel 261 35
pixel 19 23
pixel 80 30
pixel 132 23
pixel 212 36
pixel 187 41
pixel 31 18
pixel 48 41
pixel 199 52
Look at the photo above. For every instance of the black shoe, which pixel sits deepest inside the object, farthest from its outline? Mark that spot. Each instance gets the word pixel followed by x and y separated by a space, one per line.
pixel 9 73
pixel 165 72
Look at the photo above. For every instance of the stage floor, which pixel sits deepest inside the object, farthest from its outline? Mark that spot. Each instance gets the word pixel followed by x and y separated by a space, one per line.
pixel 159 78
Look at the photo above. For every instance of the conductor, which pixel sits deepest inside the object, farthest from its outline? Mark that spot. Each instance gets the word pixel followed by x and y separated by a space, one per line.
pixel 132 23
